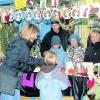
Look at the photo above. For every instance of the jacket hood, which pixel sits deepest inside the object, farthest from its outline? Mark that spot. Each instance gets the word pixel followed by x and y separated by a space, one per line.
pixel 47 68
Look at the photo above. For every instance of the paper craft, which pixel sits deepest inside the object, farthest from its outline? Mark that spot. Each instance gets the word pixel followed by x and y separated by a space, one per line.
pixel 37 69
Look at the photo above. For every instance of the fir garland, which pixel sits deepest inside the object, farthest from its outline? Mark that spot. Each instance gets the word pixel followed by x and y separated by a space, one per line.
pixel 7 31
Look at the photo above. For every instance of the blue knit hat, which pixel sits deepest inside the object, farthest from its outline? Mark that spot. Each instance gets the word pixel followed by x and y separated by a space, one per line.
pixel 55 40
pixel 74 36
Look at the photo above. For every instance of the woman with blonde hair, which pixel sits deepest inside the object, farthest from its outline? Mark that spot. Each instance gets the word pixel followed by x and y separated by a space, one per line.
pixel 18 59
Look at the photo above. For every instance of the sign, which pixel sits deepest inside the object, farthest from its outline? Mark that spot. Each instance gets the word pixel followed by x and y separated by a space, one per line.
pixel 20 4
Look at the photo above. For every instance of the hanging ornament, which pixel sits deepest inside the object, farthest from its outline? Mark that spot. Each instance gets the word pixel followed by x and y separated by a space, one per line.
pixel 18 16
pixel 56 13
pixel 28 16
pixel 66 13
pixel 75 13
pixel 37 16
pixel 47 14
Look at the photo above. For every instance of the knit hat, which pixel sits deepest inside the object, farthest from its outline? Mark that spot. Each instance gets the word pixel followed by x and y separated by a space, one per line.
pixel 74 36
pixel 55 40
pixel 96 30
pixel 55 22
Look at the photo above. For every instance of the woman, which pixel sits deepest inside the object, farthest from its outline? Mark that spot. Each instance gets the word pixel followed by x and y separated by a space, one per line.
pixel 17 59
pixel 92 53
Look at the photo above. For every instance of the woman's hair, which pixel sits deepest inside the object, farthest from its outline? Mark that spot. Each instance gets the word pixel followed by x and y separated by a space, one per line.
pixel 50 57
pixel 27 30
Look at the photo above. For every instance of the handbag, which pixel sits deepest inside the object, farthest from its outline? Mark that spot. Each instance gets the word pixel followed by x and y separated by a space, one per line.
pixel 28 88
pixel 28 79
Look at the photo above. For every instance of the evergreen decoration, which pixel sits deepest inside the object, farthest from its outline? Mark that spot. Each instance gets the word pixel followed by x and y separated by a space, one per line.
pixel 7 31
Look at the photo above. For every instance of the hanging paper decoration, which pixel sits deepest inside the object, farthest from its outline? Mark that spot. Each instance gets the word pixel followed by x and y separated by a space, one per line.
pixel 54 2
pixel 20 4
pixel 66 13
pixel 18 16
pixel 47 14
pixel 28 15
pixel 56 13
pixel 37 16
pixel 75 13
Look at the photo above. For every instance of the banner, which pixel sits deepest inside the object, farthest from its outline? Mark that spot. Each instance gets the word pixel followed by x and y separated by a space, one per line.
pixel 20 4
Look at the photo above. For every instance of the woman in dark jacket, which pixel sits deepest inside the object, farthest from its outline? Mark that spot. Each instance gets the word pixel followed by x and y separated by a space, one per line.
pixel 92 53
pixel 56 29
pixel 17 59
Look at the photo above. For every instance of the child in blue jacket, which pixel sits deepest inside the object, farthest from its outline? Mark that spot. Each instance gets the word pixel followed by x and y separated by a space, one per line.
pixel 56 47
pixel 50 81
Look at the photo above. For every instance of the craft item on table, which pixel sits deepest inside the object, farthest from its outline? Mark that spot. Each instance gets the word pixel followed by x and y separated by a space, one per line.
pixel 69 65
pixel 37 69
pixel 84 64
pixel 90 83
pixel 70 68
pixel 84 72
pixel 78 66
pixel 90 69
pixel 63 69
pixel 71 71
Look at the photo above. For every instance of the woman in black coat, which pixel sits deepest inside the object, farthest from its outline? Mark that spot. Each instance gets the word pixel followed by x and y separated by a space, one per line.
pixel 17 59
pixel 92 53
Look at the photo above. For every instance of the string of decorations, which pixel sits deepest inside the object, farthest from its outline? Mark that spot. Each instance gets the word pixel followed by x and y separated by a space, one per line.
pixel 38 14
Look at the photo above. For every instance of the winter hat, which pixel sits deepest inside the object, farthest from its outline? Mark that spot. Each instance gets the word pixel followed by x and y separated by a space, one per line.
pixel 96 30
pixel 55 22
pixel 74 36
pixel 55 40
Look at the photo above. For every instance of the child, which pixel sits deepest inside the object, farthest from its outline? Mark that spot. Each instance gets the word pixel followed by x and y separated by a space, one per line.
pixel 75 50
pixel 56 47
pixel 50 81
